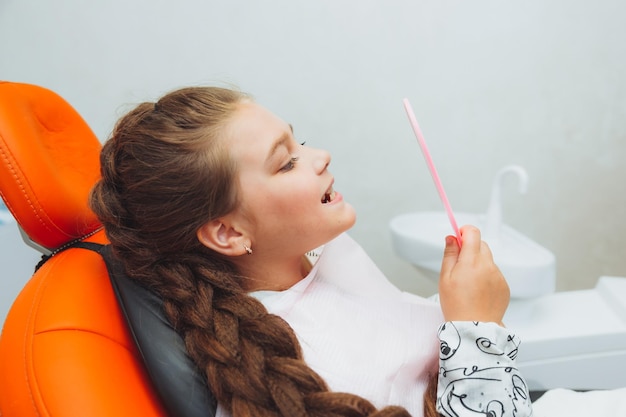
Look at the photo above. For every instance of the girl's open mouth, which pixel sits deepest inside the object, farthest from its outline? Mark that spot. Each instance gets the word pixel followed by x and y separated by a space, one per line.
pixel 328 196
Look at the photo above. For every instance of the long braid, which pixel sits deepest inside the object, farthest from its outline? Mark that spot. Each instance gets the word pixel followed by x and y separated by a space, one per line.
pixel 164 174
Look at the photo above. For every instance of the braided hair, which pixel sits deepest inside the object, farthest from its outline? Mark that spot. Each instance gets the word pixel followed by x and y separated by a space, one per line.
pixel 165 173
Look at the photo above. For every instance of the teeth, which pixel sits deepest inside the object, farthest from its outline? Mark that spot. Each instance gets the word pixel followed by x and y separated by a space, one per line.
pixel 329 196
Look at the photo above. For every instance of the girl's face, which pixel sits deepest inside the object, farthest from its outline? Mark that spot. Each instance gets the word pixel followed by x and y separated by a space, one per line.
pixel 286 199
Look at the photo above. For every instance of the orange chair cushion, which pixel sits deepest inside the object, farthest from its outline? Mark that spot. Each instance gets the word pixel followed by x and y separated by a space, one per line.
pixel 44 146
pixel 65 348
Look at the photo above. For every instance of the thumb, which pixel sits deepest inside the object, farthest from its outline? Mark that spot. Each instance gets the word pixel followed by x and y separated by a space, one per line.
pixel 450 256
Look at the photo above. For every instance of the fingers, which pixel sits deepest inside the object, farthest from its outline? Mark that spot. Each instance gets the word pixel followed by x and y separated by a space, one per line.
pixel 450 256
pixel 472 242
pixel 470 236
pixel 471 286
pixel 473 245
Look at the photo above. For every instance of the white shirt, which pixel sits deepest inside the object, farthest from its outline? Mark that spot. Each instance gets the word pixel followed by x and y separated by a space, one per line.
pixel 365 336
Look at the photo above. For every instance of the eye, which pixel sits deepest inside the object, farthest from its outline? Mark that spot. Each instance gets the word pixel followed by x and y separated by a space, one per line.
pixel 303 143
pixel 290 165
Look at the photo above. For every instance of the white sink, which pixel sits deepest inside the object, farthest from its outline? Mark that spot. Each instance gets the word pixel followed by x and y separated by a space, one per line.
pixel 529 268
pixel 558 336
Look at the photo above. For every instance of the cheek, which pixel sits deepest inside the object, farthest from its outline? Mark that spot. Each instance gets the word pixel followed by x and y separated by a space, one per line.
pixel 299 192
pixel 297 211
pixel 282 202
pixel 279 206
pixel 294 205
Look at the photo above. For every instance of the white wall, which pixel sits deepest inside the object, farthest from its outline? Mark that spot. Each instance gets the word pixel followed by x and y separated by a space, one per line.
pixel 536 83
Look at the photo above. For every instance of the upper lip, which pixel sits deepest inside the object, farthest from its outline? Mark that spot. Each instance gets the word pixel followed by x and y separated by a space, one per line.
pixel 329 188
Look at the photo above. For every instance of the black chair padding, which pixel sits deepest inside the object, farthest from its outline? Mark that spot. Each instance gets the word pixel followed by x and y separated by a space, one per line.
pixel 177 380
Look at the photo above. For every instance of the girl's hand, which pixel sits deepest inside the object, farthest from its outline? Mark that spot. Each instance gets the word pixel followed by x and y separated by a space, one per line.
pixel 471 287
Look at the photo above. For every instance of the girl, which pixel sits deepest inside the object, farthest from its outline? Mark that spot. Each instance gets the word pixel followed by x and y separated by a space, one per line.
pixel 209 200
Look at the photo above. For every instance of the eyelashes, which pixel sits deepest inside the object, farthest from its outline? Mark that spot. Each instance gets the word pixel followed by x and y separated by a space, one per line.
pixel 292 162
pixel 290 165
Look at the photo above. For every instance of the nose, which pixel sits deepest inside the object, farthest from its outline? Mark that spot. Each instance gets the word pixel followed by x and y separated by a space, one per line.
pixel 321 160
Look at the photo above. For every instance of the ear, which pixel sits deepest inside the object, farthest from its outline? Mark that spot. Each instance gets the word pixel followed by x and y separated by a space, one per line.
pixel 222 238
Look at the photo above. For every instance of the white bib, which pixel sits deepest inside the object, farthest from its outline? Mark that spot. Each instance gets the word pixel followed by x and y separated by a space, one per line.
pixel 358 331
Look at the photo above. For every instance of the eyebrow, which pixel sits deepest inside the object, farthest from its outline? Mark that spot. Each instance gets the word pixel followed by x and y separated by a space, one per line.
pixel 281 141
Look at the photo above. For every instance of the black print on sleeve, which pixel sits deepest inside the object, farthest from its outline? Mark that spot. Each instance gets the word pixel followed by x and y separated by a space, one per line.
pixel 477 374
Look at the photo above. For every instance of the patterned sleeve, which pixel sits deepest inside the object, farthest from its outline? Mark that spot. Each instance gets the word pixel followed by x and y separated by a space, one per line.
pixel 477 372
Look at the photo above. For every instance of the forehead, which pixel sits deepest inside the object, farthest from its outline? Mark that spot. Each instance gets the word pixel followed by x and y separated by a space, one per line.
pixel 253 131
pixel 252 123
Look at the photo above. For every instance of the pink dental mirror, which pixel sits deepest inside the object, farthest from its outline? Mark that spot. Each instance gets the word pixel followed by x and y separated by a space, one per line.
pixel 433 170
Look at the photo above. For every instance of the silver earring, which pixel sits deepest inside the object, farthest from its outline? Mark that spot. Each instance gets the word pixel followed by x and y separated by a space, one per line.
pixel 248 249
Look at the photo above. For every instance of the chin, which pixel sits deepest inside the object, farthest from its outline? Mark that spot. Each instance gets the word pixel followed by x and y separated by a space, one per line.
pixel 351 219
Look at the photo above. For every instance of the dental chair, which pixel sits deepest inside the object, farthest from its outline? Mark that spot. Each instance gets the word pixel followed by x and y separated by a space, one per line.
pixel 81 339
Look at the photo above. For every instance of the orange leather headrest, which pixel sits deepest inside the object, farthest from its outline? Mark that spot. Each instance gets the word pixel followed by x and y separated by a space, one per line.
pixel 45 173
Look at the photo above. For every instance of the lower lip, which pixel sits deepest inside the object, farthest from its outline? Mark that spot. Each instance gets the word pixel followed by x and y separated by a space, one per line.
pixel 338 198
